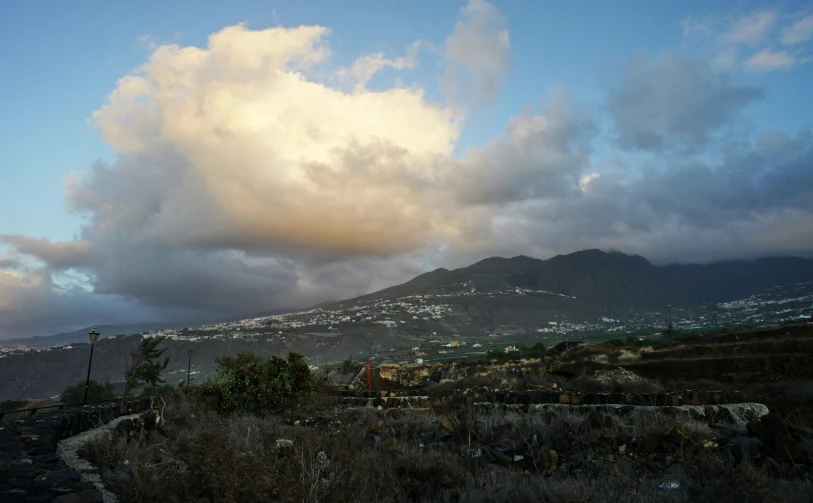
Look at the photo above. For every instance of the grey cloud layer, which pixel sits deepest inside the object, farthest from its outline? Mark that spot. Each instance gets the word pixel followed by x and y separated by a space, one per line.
pixel 477 52
pixel 674 102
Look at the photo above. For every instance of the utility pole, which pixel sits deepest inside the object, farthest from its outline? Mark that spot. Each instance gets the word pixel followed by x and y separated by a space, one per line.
pixel 189 368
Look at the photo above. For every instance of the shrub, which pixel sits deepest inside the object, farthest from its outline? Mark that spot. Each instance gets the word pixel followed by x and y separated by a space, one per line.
pixel 349 366
pixel 536 351
pixel 96 391
pixel 160 389
pixel 250 383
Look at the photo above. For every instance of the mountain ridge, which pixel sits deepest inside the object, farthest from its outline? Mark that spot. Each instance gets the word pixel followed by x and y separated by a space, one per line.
pixel 603 279
pixel 613 279
pixel 81 335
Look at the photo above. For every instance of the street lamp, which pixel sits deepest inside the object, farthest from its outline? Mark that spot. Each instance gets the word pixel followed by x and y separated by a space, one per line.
pixel 189 367
pixel 94 336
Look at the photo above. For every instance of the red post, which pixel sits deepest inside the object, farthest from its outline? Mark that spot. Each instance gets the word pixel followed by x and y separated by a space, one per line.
pixel 369 379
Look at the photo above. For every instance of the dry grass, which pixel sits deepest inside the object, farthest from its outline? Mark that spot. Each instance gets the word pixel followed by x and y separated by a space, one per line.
pixel 627 356
pixel 408 455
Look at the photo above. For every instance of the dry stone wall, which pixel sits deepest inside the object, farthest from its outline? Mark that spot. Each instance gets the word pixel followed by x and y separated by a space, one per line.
pixel 31 470
pixel 526 399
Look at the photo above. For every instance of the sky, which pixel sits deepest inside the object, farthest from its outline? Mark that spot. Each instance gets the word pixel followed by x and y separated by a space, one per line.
pixel 210 160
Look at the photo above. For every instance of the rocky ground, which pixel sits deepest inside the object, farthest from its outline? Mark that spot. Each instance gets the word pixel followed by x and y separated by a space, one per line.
pixel 586 423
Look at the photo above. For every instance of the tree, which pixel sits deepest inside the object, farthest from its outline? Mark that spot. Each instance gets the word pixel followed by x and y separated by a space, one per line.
pixel 251 383
pixel 349 366
pixel 536 351
pixel 96 391
pixel 144 366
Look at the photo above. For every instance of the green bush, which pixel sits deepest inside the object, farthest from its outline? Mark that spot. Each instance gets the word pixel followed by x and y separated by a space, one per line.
pixel 349 366
pixel 160 389
pixel 96 391
pixel 536 351
pixel 251 383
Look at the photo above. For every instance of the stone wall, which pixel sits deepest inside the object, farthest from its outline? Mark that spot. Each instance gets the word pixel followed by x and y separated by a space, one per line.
pixel 30 468
pixel 386 399
pixel 672 399
pixel 415 399
pixel 14 404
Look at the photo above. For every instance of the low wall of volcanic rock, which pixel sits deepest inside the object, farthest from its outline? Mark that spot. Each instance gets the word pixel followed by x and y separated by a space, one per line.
pixel 415 399
pixel 30 467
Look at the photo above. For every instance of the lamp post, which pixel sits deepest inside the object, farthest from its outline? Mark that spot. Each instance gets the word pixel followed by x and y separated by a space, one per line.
pixel 94 336
pixel 189 367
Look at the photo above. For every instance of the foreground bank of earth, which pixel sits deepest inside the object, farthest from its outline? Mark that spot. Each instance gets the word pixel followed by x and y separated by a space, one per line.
pixel 516 431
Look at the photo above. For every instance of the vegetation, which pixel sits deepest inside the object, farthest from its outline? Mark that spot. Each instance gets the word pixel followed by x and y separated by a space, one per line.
pixel 250 383
pixel 96 391
pixel 160 389
pixel 568 455
pixel 632 339
pixel 349 366
pixel 145 366
pixel 629 341
pixel 535 351
pixel 450 448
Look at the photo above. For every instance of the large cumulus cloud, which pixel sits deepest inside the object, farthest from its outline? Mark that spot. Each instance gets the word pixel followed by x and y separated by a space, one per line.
pixel 243 184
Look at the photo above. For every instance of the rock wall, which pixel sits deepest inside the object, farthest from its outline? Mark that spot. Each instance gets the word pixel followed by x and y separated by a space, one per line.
pixel 418 375
pixel 672 399
pixel 416 399
pixel 30 467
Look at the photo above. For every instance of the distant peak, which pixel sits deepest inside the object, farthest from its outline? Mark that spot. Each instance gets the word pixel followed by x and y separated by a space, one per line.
pixel 596 254
pixel 593 252
pixel 523 257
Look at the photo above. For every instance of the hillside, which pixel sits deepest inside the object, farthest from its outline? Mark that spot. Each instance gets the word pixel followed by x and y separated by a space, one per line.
pixel 488 305
pixel 45 373
pixel 613 280
pixel 81 335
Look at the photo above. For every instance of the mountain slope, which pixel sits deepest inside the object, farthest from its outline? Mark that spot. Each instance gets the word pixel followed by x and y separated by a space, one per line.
pixel 611 280
pixel 417 284
pixel 81 335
